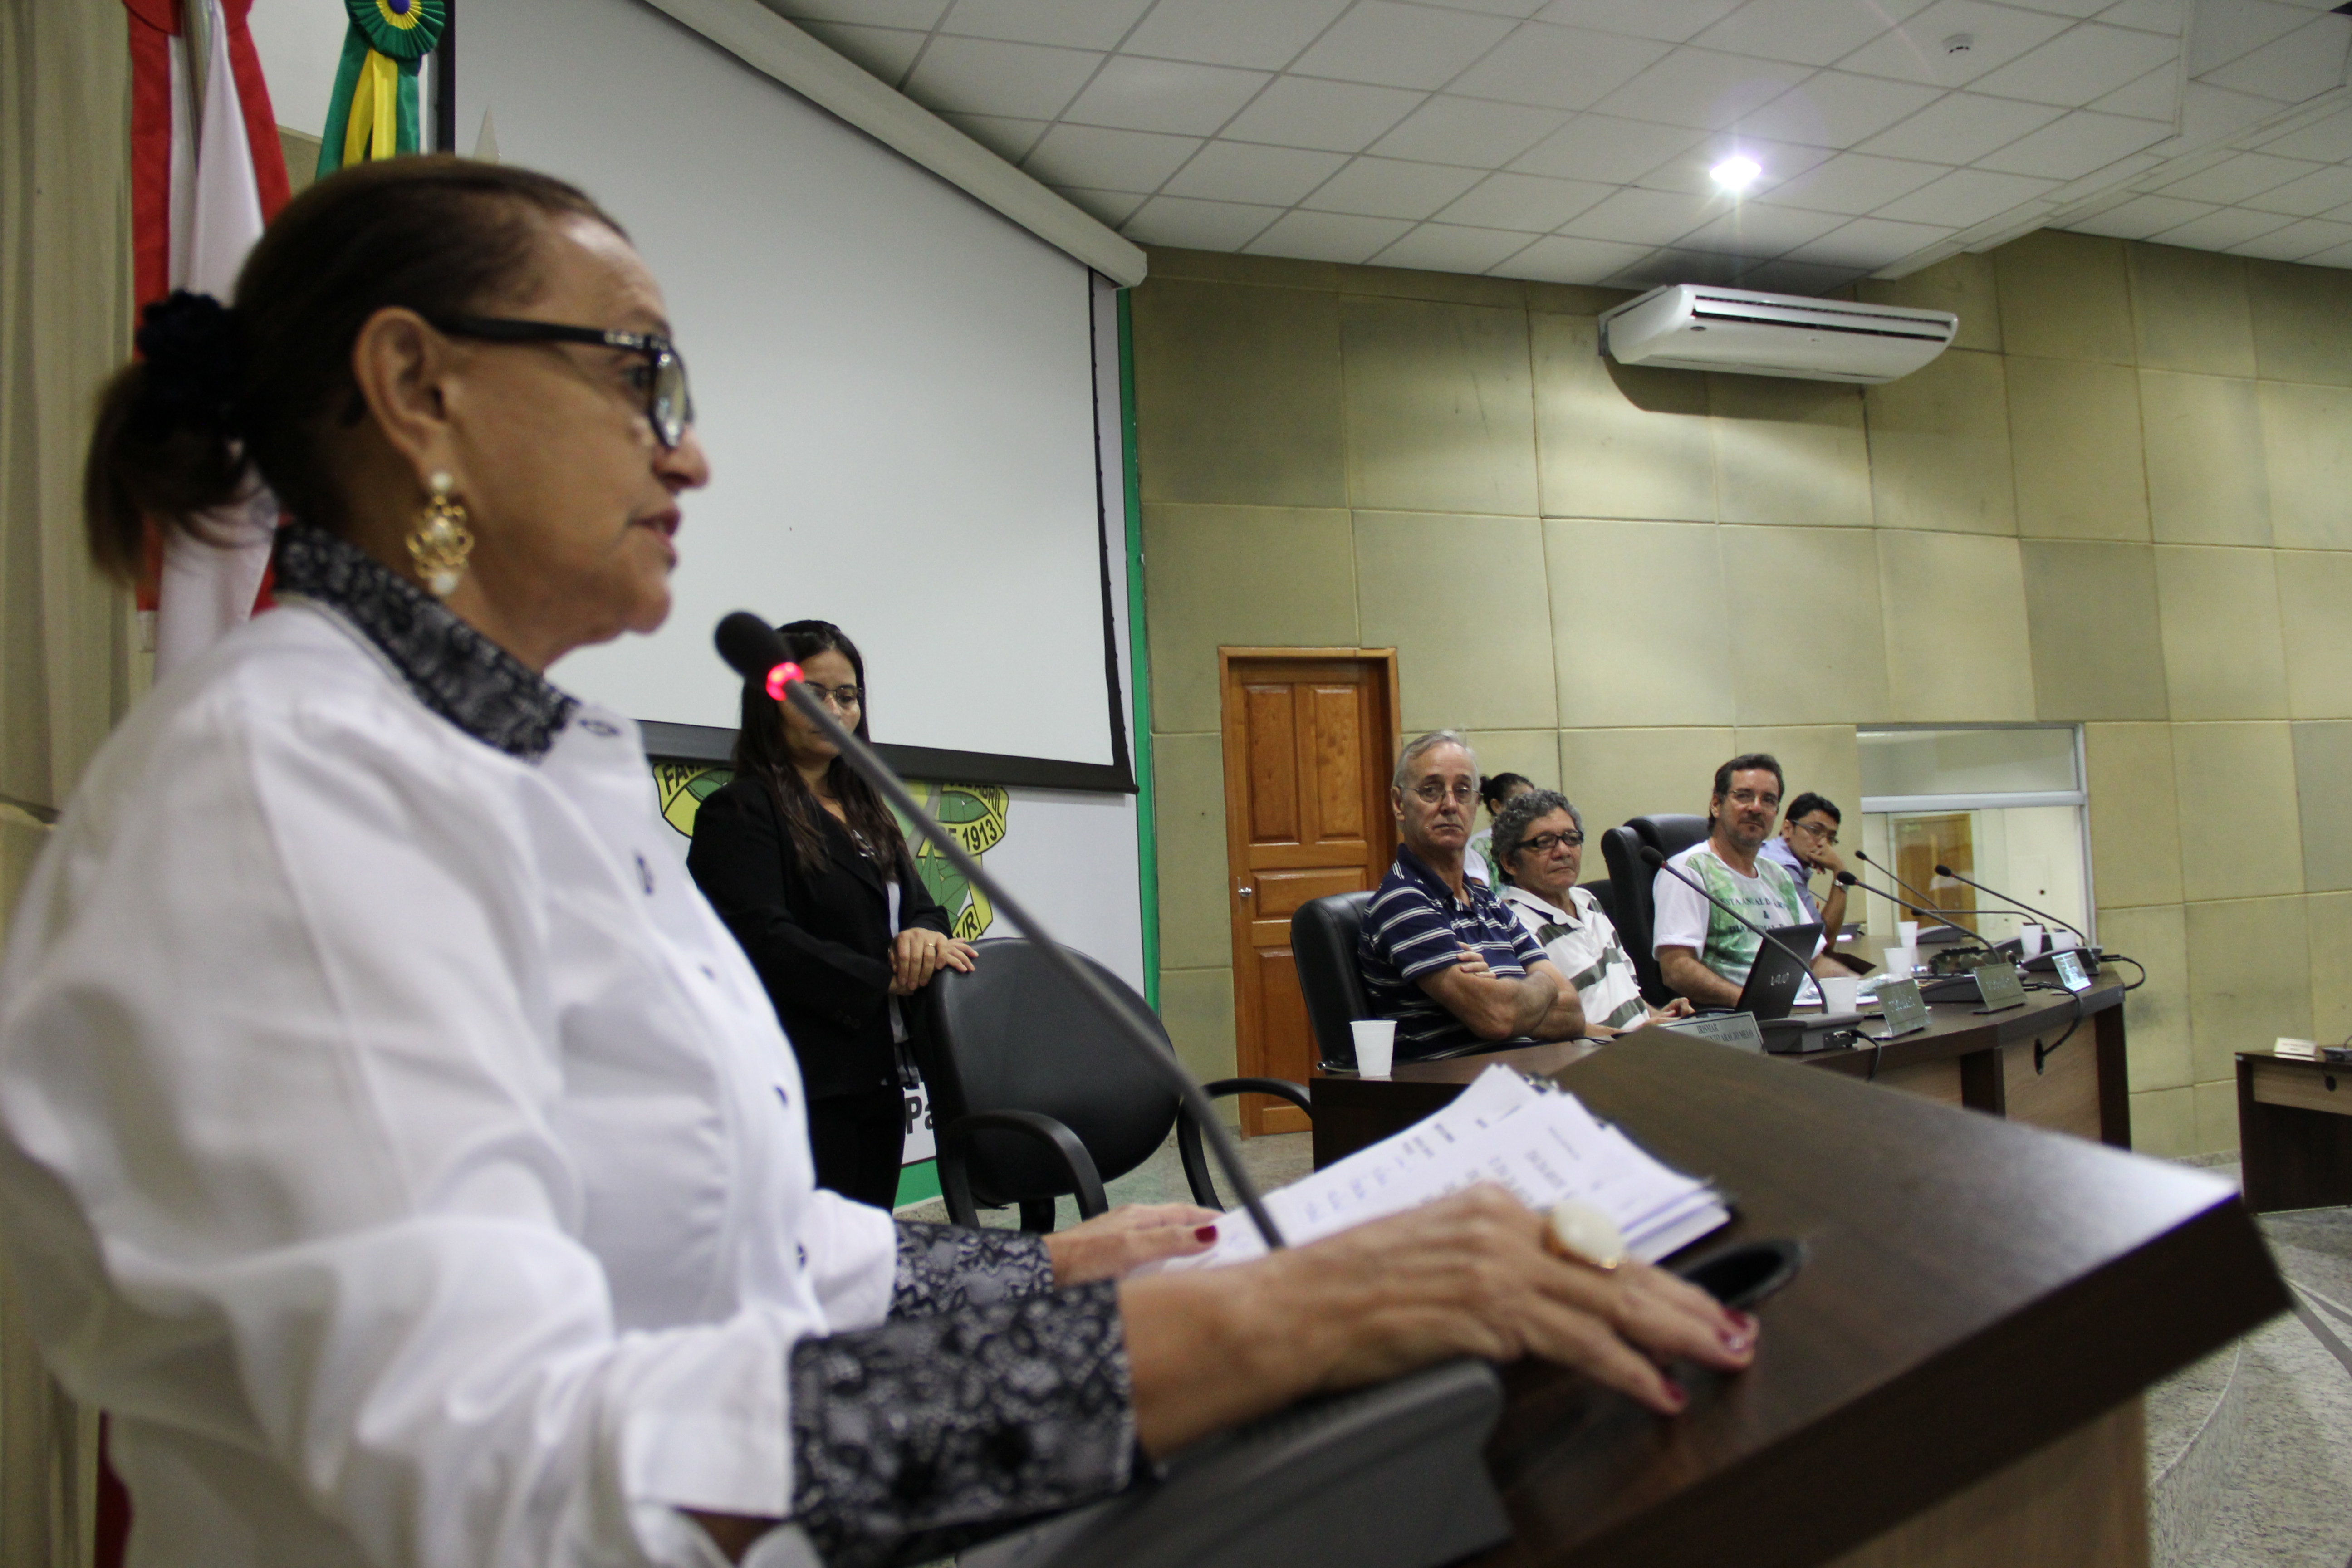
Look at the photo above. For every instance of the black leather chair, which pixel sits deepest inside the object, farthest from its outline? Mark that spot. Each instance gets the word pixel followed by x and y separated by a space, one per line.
pixel 1604 893
pixel 1034 1098
pixel 1323 948
pixel 1635 915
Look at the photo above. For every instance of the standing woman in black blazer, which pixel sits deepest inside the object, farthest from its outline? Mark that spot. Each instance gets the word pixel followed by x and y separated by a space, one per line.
pixel 808 869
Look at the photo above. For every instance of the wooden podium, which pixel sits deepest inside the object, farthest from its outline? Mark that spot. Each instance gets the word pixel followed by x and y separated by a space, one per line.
pixel 1952 1379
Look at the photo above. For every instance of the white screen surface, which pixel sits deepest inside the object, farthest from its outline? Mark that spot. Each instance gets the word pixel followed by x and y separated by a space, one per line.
pixel 895 385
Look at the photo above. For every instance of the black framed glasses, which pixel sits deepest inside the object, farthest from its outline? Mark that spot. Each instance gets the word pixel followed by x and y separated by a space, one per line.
pixel 1545 843
pixel 669 401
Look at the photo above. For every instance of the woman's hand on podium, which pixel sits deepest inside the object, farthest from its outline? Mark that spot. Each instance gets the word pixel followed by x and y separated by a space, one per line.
pixel 1113 1246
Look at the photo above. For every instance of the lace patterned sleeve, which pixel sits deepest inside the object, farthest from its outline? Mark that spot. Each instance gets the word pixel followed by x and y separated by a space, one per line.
pixel 942 1267
pixel 913 1437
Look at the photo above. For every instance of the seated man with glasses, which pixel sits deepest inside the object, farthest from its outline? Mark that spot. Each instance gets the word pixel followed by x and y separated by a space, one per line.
pixel 1807 844
pixel 1438 952
pixel 1539 848
pixel 1703 953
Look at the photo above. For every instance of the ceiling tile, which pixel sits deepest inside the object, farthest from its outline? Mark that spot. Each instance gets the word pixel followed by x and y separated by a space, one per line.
pixel 1336 116
pixel 1960 128
pixel 1872 243
pixel 1265 34
pixel 2339 256
pixel 1964 197
pixel 1389 45
pixel 2313 194
pixel 1385 187
pixel 884 53
pixel 1809 32
pixel 1838 108
pixel 1674 21
pixel 1791 276
pixel 1916 49
pixel 2221 229
pixel 1558 67
pixel 1112 207
pixel 1517 9
pixel 1096 159
pixel 1199 226
pixel 1561 259
pixel 2139 218
pixel 1853 183
pixel 1239 171
pixel 1758 232
pixel 2155 96
pixel 1702 88
pixel 1692 170
pixel 1446 248
pixel 1644 217
pixel 1449 129
pixel 2246 175
pixel 2297 240
pixel 1008 139
pixel 1679 266
pixel 1073 23
pixel 1327 236
pixel 2073 145
pixel 2329 140
pixel 1604 147
pixel 1130 94
pixel 2228 36
pixel 978 76
pixel 1527 203
pixel 2170 16
pixel 921 15
pixel 2076 8
pixel 2079 65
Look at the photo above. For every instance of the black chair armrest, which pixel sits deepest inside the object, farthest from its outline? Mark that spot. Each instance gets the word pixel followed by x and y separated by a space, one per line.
pixel 955 1182
pixel 1187 1132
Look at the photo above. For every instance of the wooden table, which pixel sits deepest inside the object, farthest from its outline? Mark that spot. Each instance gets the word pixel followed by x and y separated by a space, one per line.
pixel 2295 1132
pixel 1953 1377
pixel 1984 1062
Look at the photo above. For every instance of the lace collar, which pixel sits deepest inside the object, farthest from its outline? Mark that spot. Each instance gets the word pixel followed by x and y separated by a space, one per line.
pixel 454 669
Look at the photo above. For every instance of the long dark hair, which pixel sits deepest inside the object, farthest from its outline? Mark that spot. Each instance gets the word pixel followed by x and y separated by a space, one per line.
pixel 760 753
pixel 263 384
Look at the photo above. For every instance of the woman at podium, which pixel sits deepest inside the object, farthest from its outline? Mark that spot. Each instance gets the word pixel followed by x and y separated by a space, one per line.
pixel 392 1138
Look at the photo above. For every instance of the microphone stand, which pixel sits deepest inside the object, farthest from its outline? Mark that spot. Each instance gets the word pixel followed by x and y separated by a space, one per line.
pixel 1657 862
pixel 751 647
pixel 2020 903
pixel 1851 881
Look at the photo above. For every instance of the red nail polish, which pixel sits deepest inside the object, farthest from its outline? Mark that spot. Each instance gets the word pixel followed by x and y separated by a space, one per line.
pixel 1677 1394
pixel 1748 1323
pixel 1205 1233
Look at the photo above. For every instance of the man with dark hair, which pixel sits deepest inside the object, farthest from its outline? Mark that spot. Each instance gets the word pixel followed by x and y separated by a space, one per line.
pixel 1438 953
pixel 1807 844
pixel 1703 952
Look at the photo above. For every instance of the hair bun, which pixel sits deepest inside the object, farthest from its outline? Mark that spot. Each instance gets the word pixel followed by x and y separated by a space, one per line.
pixel 190 344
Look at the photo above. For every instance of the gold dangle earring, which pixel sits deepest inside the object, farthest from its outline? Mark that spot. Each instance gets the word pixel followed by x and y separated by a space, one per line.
pixel 440 542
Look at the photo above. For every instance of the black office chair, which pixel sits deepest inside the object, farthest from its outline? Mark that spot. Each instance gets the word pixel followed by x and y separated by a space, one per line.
pixel 1604 893
pixel 1323 948
pixel 1034 1098
pixel 1635 916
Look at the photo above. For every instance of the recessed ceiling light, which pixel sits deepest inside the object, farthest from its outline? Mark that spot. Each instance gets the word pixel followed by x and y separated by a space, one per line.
pixel 1959 43
pixel 1737 173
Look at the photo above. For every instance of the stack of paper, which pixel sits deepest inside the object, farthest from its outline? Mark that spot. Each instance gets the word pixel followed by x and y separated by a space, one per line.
pixel 1541 1144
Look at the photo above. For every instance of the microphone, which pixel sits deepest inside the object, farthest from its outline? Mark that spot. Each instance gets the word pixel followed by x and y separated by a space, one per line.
pixel 2020 903
pixel 1849 879
pixel 1657 862
pixel 753 649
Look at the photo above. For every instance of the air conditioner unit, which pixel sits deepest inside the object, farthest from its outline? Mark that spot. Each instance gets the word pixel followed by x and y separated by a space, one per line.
pixel 1693 326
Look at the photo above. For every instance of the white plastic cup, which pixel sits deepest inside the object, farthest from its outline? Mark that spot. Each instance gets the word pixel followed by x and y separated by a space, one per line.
pixel 1909 932
pixel 1375 1045
pixel 1901 962
pixel 1840 993
pixel 2029 940
pixel 2063 940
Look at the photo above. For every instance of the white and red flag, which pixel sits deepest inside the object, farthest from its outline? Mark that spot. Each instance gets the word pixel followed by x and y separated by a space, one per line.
pixel 206 172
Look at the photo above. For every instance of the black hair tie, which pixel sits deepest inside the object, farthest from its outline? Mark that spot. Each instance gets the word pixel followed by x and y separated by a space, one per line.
pixel 193 365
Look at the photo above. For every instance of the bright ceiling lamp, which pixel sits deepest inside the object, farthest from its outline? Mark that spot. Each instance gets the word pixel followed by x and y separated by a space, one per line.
pixel 1737 173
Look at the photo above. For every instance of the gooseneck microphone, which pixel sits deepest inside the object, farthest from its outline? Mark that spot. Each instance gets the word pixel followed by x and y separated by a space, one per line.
pixel 1657 862
pixel 1849 879
pixel 2020 903
pixel 756 653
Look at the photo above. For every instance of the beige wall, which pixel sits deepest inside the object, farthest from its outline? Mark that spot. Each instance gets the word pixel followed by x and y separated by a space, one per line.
pixel 2124 497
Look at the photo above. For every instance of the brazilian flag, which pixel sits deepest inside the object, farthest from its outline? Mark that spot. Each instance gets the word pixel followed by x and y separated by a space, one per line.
pixel 373 113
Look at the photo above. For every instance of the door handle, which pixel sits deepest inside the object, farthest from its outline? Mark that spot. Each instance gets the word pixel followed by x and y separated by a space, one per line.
pixel 1245 893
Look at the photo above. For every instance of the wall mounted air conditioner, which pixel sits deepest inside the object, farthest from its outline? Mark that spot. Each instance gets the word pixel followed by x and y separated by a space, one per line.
pixel 1693 326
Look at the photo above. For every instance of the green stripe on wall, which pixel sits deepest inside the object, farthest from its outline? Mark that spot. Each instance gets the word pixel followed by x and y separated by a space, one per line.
pixel 1147 832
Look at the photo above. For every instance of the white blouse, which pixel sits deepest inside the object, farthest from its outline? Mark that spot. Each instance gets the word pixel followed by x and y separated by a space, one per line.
pixel 394 1141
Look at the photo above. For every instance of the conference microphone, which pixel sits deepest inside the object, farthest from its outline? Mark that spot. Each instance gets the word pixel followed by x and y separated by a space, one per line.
pixel 2020 903
pixel 752 647
pixel 1849 879
pixel 1657 862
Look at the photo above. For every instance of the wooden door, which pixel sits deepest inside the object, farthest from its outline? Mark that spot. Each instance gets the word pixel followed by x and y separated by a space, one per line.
pixel 1923 843
pixel 1310 741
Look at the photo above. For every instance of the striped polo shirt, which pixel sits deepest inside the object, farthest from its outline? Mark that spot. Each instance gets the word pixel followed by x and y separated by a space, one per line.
pixel 1415 926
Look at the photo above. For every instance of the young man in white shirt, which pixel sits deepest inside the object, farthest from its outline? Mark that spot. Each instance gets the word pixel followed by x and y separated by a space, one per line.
pixel 1703 953
pixel 1539 848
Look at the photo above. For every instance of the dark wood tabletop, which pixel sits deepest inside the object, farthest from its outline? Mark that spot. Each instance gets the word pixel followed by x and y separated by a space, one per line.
pixel 1974 1288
